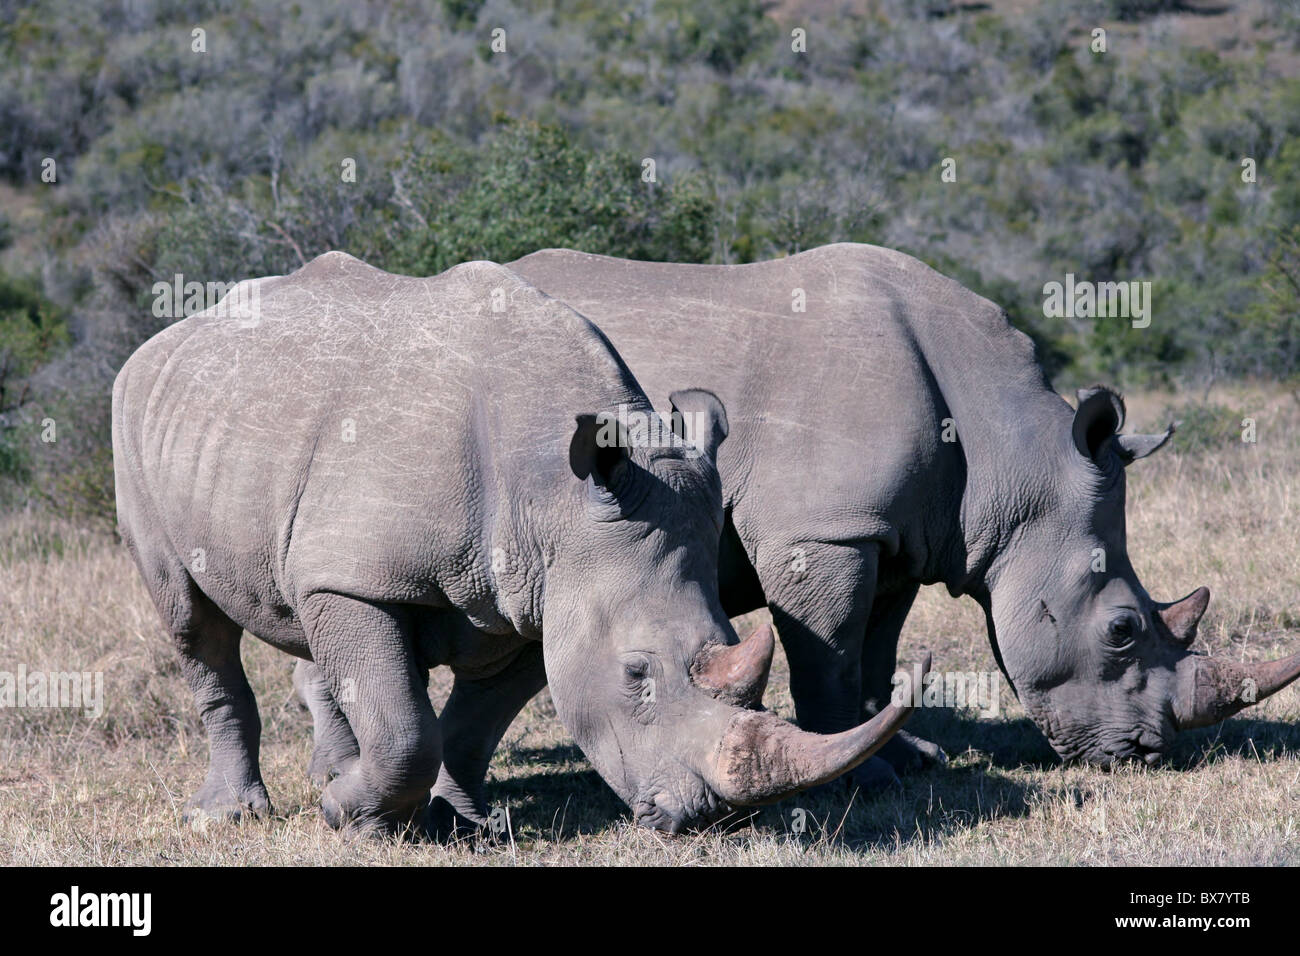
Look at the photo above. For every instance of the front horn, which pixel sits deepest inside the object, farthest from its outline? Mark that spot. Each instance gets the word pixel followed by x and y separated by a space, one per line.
pixel 736 673
pixel 762 758
pixel 1210 690
pixel 1181 617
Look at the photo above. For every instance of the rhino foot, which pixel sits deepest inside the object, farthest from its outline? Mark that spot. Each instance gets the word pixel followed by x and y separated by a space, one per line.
pixel 448 824
pixel 218 800
pixel 408 823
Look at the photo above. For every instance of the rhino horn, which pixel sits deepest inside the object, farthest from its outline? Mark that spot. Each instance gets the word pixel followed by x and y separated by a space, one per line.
pixel 762 758
pixel 736 673
pixel 1181 617
pixel 1211 690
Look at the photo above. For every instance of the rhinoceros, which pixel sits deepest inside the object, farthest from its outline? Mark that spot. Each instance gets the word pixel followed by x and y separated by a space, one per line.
pixel 890 428
pixel 383 474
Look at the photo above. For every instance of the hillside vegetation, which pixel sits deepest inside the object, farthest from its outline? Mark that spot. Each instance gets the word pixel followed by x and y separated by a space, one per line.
pixel 396 133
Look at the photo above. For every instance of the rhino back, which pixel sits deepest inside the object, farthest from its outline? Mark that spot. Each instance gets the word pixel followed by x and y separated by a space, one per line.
pixel 372 434
pixel 837 410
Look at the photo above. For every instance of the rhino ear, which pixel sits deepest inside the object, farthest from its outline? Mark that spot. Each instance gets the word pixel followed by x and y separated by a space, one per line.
pixel 1099 417
pixel 598 448
pixel 699 418
pixel 1097 422
pixel 1132 447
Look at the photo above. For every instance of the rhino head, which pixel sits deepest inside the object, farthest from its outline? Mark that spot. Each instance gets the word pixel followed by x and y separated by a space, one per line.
pixel 644 666
pixel 1104 670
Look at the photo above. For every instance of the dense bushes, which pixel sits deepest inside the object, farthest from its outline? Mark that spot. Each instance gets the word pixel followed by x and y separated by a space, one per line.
pixel 31 333
pixel 1126 165
pixel 531 189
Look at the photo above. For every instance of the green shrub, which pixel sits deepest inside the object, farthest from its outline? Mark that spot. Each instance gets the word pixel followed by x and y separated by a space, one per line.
pixel 1205 426
pixel 31 332
pixel 528 188
pixel 1269 339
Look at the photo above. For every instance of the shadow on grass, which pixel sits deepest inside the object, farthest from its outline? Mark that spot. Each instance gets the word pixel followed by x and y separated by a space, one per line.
pixel 931 805
pixel 1008 744
pixel 562 798
pixel 559 801
pixel 1252 739
pixel 1018 744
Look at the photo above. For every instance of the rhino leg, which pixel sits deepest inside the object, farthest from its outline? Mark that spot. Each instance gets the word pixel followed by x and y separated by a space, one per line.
pixel 820 603
pixel 477 714
pixel 208 643
pixel 335 748
pixel 904 751
pixel 365 651
pixel 820 600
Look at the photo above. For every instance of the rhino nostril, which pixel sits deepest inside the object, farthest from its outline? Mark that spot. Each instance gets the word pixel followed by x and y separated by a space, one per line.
pixel 1140 746
pixel 1149 746
pixel 1149 754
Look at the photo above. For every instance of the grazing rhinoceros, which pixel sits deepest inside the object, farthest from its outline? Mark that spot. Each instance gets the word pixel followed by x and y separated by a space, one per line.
pixel 841 369
pixel 384 474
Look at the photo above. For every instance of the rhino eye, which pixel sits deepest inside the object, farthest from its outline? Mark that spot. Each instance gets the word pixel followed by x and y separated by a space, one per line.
pixel 640 687
pixel 1121 631
pixel 635 669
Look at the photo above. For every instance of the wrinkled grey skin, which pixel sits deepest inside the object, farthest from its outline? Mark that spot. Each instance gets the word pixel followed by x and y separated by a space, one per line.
pixel 842 497
pixel 450 528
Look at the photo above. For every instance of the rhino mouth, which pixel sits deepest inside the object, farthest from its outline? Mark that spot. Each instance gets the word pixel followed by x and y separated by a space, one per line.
pixel 1146 747
pixel 1128 753
pixel 1104 747
pixel 670 813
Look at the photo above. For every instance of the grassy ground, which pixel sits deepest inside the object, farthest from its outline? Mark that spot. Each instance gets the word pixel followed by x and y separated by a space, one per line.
pixel 108 791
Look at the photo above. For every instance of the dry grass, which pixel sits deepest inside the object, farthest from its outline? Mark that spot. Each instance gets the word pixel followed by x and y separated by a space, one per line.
pixel 108 791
